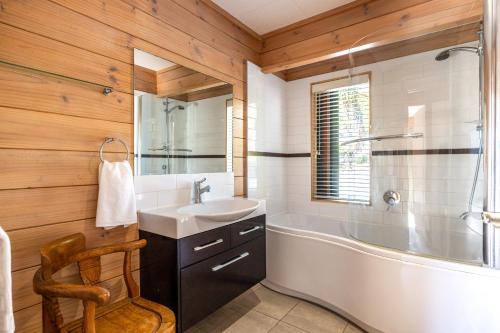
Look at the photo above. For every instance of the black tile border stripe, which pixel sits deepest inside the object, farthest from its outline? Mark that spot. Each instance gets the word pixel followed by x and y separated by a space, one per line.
pixel 180 156
pixel 269 154
pixel 444 151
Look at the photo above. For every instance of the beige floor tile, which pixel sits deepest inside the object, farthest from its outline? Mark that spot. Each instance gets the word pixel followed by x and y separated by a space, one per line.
pixel 353 329
pixel 252 322
pixel 194 329
pixel 282 327
pixel 312 318
pixel 219 321
pixel 265 301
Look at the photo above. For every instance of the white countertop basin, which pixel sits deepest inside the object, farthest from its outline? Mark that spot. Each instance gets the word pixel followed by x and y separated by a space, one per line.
pixel 186 220
pixel 222 210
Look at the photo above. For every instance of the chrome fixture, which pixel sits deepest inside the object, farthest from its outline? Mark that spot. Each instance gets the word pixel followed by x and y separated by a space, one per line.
pixel 238 258
pixel 491 221
pixel 167 148
pixel 443 55
pixel 384 137
pixel 202 247
pixel 111 140
pixel 198 190
pixel 392 198
pixel 172 109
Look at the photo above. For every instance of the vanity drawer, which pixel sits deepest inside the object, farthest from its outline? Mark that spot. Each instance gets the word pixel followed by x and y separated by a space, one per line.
pixel 204 245
pixel 208 285
pixel 244 231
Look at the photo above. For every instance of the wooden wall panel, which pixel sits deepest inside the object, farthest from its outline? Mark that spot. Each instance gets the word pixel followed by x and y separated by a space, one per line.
pixel 208 12
pixel 428 17
pixel 145 80
pixel 27 89
pixel 48 19
pixel 350 14
pixel 40 206
pixel 127 18
pixel 51 125
pixel 39 130
pixel 176 15
pixel 25 168
pixel 27 49
pixel 456 36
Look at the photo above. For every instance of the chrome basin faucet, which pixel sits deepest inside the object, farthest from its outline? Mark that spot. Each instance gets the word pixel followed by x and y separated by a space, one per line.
pixel 198 190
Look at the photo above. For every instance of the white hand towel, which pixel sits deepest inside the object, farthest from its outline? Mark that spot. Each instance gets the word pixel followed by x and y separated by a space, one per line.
pixel 116 201
pixel 6 314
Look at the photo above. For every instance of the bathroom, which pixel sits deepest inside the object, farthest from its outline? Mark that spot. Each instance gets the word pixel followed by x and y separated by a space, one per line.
pixel 231 166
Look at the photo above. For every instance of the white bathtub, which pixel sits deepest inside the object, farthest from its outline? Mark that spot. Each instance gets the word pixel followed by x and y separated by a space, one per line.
pixel 379 289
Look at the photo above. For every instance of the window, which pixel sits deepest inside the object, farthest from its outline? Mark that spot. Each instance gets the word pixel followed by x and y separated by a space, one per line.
pixel 340 113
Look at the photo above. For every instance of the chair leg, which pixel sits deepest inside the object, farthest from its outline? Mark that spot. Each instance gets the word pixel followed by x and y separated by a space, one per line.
pixel 89 317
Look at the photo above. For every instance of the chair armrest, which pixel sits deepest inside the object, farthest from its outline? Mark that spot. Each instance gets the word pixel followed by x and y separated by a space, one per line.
pixel 108 249
pixel 51 288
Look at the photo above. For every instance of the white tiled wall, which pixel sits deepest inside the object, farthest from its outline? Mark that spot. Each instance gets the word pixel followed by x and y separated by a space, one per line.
pixel 167 190
pixel 267 133
pixel 409 94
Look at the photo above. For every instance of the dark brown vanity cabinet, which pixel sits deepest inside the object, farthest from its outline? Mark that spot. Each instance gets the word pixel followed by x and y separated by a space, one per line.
pixel 198 274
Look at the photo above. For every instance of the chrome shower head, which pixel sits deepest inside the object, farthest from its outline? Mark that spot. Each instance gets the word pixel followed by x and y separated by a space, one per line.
pixel 172 109
pixel 443 55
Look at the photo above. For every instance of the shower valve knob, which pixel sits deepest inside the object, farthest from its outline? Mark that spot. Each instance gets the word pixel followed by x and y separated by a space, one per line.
pixel 392 198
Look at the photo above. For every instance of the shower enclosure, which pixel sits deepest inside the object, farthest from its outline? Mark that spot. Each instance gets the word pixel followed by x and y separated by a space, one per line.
pixel 409 159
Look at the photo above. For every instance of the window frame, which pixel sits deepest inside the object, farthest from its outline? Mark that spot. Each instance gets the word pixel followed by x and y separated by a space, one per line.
pixel 313 138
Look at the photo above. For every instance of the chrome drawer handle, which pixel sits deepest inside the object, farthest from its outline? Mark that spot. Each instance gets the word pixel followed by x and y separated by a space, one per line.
pixel 244 232
pixel 201 247
pixel 232 261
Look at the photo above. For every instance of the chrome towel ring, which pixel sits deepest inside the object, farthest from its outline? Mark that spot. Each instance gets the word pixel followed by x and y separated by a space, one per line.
pixel 111 140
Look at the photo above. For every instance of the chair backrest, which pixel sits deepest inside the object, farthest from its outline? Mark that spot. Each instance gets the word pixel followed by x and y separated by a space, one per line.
pixel 56 254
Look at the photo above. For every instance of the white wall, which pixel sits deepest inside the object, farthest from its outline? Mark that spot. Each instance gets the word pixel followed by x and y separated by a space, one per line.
pixel 267 133
pixel 409 94
pixel 167 190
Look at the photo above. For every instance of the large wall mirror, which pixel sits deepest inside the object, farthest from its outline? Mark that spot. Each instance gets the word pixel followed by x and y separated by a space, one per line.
pixel 182 119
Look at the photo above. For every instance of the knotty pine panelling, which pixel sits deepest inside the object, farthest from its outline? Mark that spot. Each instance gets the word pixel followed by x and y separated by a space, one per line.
pixel 51 126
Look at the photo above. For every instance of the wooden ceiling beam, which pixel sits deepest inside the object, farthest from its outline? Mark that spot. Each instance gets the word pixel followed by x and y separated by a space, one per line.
pixel 144 79
pixel 181 80
pixel 340 17
pixel 455 36
pixel 419 20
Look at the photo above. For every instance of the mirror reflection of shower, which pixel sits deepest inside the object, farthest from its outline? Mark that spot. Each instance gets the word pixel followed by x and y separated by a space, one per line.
pixel 444 55
pixel 169 144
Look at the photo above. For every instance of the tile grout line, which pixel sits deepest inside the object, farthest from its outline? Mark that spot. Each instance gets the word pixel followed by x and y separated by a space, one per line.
pixel 293 307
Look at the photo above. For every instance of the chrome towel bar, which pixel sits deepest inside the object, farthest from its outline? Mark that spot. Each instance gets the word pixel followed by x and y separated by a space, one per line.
pixel 111 140
pixel 384 137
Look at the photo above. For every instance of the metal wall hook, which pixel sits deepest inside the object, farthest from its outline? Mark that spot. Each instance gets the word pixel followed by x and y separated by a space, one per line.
pixel 106 91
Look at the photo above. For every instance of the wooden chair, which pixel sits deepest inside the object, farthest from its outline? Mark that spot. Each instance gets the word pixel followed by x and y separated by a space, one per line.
pixel 133 314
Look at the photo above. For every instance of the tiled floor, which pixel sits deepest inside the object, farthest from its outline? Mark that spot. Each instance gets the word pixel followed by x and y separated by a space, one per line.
pixel 263 310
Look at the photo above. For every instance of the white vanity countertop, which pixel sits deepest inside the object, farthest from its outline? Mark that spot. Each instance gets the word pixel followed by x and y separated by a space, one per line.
pixel 167 221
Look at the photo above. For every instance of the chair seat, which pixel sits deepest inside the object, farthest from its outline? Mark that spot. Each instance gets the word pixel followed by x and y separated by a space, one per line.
pixel 136 315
